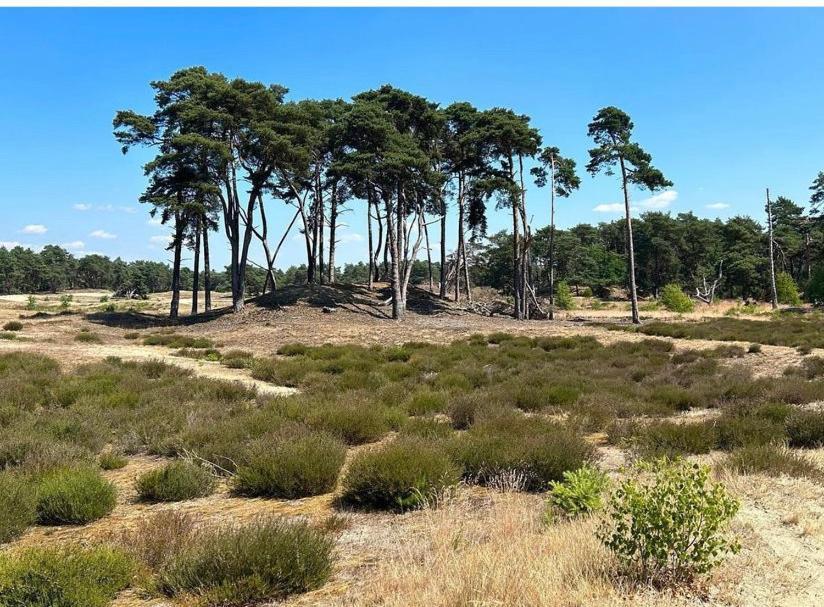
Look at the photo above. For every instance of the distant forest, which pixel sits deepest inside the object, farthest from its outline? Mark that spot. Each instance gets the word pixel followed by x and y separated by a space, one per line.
pixel 681 249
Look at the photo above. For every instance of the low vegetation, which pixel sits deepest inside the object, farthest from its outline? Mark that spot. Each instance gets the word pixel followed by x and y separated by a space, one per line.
pixel 579 493
pixel 175 482
pixel 265 560
pixel 69 576
pixel 73 496
pixel 18 506
pixel 674 299
pixel 772 460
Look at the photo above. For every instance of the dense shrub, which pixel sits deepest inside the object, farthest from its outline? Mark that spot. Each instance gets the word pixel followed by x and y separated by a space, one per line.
pixel 63 577
pixel 353 423
pixel 754 348
pixel 13 325
pixel 18 506
pixel 426 401
pixel 670 438
pixel 266 560
pixel 535 450
pixel 750 429
pixel 402 475
pixel 786 289
pixel 814 292
pixel 772 460
pixel 806 428
pixel 73 496
pixel 111 460
pixel 158 538
pixel 291 467
pixel 427 427
pixel 88 337
pixel 667 523
pixel 174 340
pixel 175 482
pixel 581 491
pixel 563 296
pixel 675 300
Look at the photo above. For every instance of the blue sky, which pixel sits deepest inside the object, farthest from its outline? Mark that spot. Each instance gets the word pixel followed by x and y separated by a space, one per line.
pixel 728 101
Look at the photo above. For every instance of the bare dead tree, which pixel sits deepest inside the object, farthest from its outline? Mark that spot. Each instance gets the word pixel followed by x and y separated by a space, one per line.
pixel 706 293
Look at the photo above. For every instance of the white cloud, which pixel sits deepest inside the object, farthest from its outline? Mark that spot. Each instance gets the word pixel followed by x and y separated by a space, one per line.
pixel 614 207
pixel 74 245
pixel 718 205
pixel 155 221
pixel 34 228
pixel 9 244
pixel 82 206
pixel 659 201
pixel 129 210
pixel 103 234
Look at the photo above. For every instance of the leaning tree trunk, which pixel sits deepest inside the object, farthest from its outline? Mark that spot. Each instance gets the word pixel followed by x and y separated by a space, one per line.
pixel 633 293
pixel 196 270
pixel 207 273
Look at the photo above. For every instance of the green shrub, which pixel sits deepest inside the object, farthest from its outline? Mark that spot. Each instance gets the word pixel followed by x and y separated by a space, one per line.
pixel 63 577
pixel 73 496
pixel 772 460
pixel 353 423
pixel 175 482
pixel 427 427
pixel 237 359
pixel 291 467
pixel 670 438
pixel 806 429
pixel 88 337
pixel 563 296
pixel 536 451
pixel 741 430
pixel 66 300
pixel 8 335
pixel 814 291
pixel 786 289
pixel 131 335
pixel 804 350
pixel 18 506
pixel 293 350
pixel 111 460
pixel 263 561
pixel 675 300
pixel 31 302
pixel 13 325
pixel 666 523
pixel 403 475
pixel 754 348
pixel 581 491
pixel 426 401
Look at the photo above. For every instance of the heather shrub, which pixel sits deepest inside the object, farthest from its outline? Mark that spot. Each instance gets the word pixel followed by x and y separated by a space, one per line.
pixel 403 475
pixel 13 325
pixel 669 438
pixel 174 482
pixel 18 506
pixel 291 467
pixel 88 337
pixel 772 460
pixel 267 560
pixel 73 496
pixel 70 576
pixel 806 428
pixel 667 523
pixel 749 429
pixel 111 460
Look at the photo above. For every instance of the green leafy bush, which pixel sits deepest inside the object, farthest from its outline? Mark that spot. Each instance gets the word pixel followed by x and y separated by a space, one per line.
pixel 291 467
pixel 581 491
pixel 87 337
pixel 666 523
pixel 786 289
pixel 402 475
pixel 263 561
pixel 18 506
pixel 73 496
pixel 563 296
pixel 806 429
pixel 175 482
pixel 63 577
pixel 669 438
pixel 13 325
pixel 675 300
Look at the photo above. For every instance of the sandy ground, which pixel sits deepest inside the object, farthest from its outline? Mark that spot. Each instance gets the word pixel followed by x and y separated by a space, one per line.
pixel 781 523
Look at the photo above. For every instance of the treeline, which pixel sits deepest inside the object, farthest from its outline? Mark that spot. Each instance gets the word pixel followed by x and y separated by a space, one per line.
pixel 682 249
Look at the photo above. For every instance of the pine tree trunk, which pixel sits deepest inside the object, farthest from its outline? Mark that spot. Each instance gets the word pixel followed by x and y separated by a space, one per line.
pixel 633 293
pixel 369 236
pixel 196 270
pixel 552 241
pixel 442 291
pixel 174 309
pixel 333 226
pixel 207 273
pixel 772 255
